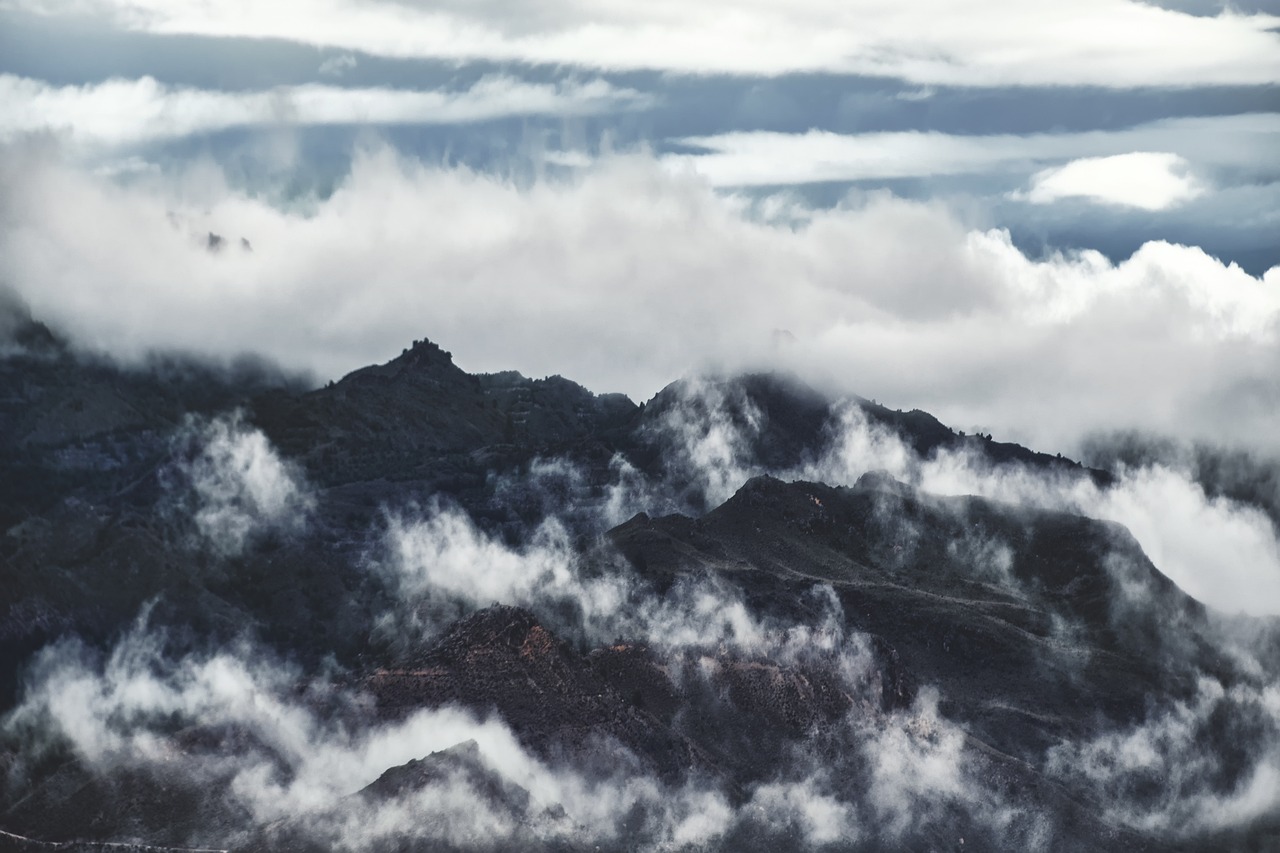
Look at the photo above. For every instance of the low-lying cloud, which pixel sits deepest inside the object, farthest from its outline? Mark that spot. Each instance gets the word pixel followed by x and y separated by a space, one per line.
pixel 625 276
pixel 268 743
pixel 1222 551
pixel 235 487
pixel 1179 772
pixel 131 112
pixel 304 747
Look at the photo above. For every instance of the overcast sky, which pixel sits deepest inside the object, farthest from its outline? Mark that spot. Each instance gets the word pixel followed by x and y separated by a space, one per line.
pixel 1037 220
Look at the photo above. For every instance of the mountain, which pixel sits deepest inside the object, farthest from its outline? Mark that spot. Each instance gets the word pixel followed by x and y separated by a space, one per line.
pixel 985 635
pixel 418 608
pixel 419 416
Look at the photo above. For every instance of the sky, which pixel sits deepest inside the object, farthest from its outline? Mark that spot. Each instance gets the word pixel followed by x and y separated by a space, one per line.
pixel 1042 222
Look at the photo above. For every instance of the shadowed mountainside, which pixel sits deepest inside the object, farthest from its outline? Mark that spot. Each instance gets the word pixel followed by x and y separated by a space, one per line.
pixel 990 633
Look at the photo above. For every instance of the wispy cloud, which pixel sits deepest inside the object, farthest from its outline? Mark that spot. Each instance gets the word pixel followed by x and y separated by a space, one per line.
pixel 119 112
pixel 755 158
pixel 1166 774
pixel 983 43
pixel 235 486
pixel 336 66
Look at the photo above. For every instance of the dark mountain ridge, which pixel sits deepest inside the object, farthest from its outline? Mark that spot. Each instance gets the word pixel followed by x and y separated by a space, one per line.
pixel 1032 630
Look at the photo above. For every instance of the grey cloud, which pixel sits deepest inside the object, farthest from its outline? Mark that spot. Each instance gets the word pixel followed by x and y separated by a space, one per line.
pixel 1181 771
pixel 65 51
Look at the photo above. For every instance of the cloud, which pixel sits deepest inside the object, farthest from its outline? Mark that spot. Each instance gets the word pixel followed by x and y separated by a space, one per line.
pixel 122 112
pixel 1118 172
pixel 1142 179
pixel 1180 771
pixel 234 485
pixel 582 277
pixel 441 567
pixel 1221 552
pixel 988 43
pixel 872 776
pixel 868 775
pixel 708 436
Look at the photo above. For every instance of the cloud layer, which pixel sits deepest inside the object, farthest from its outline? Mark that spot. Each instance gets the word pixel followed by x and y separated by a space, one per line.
pixel 626 277
pixel 1117 158
pixel 119 112
pixel 975 43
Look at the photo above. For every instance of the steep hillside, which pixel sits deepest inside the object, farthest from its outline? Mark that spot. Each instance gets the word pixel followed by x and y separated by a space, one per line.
pixel 418 609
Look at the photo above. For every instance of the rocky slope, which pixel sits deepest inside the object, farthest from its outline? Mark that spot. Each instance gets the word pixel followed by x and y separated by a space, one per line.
pixel 229 605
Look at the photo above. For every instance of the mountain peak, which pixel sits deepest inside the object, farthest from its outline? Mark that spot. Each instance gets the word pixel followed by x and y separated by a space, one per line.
pixel 422 355
pixel 425 352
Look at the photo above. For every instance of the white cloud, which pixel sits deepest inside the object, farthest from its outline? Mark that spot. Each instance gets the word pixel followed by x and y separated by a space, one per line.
pixel 119 112
pixel 624 277
pixel 821 818
pixel 297 761
pixel 1110 43
pixel 1110 171
pixel 240 488
pixel 1143 179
